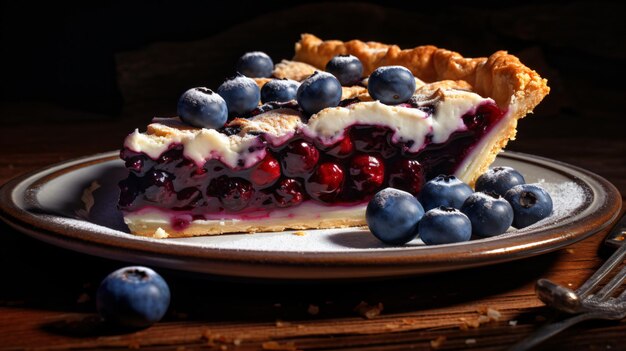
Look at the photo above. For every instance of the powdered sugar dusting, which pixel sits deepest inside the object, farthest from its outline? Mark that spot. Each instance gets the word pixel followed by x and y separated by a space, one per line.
pixel 566 198
pixel 318 75
pixel 384 195
pixel 238 82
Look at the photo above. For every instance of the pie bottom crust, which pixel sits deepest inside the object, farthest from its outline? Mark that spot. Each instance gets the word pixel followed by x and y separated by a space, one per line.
pixel 309 215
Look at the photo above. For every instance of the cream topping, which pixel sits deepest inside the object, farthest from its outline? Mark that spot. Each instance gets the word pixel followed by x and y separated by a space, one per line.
pixel 407 123
pixel 199 145
pixel 328 126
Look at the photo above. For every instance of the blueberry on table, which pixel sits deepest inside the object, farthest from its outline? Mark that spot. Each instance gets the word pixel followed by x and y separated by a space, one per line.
pixel 530 204
pixel 319 91
pixel 241 94
pixel 444 190
pixel 393 216
pixel 391 85
pixel 255 64
pixel 489 213
pixel 279 90
pixel 444 225
pixel 133 297
pixel 202 108
pixel 347 68
pixel 499 180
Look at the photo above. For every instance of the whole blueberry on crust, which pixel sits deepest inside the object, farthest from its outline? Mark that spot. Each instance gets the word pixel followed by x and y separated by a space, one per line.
pixel 255 64
pixel 319 91
pixel 280 90
pixel 391 85
pixel 202 108
pixel 444 190
pixel 489 213
pixel 393 215
pixel 499 180
pixel 241 94
pixel 133 297
pixel 530 204
pixel 444 225
pixel 347 68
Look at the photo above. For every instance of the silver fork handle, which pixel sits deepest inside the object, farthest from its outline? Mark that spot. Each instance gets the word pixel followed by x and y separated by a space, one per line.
pixel 548 331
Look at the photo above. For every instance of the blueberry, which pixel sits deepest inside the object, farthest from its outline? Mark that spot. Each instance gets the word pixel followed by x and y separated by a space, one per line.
pixel 530 203
pixel 347 68
pixel 255 64
pixel 393 216
pixel 489 213
pixel 444 225
pixel 319 91
pixel 280 90
pixel 133 297
pixel 241 94
pixel 444 190
pixel 499 180
pixel 202 108
pixel 391 85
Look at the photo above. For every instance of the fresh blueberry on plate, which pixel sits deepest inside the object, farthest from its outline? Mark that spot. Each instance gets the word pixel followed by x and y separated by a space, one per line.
pixel 393 216
pixel 489 213
pixel 279 90
pixel 347 68
pixel 530 203
pixel 319 91
pixel 133 297
pixel 202 108
pixel 391 85
pixel 499 180
pixel 444 225
pixel 241 94
pixel 255 64
pixel 444 190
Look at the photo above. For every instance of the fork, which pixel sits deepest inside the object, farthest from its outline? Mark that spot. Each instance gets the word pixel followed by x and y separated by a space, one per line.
pixel 582 302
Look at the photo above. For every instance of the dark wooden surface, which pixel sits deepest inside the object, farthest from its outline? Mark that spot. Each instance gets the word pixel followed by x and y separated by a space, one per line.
pixel 47 293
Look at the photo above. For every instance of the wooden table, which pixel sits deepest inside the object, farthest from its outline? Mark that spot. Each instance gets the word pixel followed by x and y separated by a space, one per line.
pixel 47 293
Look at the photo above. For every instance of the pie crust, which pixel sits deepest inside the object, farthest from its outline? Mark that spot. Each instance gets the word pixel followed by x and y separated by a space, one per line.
pixel 442 74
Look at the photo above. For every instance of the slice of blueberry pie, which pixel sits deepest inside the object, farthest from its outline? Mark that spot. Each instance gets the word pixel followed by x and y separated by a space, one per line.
pixel 308 145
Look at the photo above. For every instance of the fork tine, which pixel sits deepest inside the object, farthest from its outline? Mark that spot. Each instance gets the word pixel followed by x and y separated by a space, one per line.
pixel 612 285
pixel 608 266
pixel 622 296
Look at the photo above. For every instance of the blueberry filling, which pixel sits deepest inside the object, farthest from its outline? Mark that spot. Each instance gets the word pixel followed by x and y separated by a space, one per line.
pixel 363 162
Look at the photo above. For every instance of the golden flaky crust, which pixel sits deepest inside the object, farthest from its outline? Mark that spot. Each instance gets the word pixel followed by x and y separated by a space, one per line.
pixel 293 70
pixel 500 76
pixel 164 230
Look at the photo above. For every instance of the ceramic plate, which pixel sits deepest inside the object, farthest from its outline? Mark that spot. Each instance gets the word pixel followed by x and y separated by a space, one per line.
pixel 49 205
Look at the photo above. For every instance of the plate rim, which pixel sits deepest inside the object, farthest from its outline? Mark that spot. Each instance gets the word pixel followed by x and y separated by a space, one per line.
pixel 446 257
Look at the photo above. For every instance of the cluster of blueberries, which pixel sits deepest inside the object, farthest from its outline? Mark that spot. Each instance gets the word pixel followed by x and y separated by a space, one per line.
pixel 448 210
pixel 237 96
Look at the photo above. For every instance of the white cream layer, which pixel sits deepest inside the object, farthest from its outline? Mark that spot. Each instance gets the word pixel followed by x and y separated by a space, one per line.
pixel 328 126
pixel 406 123
pixel 199 146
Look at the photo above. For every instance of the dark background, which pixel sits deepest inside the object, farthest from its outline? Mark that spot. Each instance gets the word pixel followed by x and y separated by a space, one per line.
pixel 98 60
pixel 77 78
